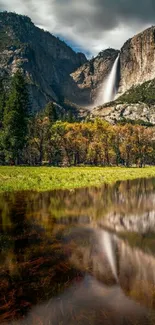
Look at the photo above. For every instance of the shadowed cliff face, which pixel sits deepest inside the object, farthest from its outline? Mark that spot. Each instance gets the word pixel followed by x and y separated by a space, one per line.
pixel 53 70
pixel 46 61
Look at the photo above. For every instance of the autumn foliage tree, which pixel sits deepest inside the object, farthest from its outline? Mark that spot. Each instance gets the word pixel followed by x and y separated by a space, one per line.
pixel 48 138
pixel 92 143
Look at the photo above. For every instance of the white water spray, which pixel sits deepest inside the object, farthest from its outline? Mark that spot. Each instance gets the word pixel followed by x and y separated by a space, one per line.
pixel 108 90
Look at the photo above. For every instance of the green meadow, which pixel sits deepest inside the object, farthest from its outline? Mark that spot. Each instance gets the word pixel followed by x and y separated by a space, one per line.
pixel 50 178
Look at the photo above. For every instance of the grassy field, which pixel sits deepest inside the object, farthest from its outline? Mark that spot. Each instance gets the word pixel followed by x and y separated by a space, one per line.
pixel 49 178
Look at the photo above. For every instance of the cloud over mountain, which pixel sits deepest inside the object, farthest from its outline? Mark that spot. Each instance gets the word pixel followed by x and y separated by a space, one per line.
pixel 91 24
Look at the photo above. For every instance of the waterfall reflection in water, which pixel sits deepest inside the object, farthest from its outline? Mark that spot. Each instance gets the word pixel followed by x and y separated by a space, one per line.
pixel 57 266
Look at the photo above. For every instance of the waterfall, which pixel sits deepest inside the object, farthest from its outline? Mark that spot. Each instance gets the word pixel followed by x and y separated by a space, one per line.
pixel 108 89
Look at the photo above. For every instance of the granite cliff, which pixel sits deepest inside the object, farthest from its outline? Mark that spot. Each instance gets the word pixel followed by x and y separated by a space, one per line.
pixel 46 61
pixel 137 60
pixel 53 70
pixel 137 65
pixel 135 99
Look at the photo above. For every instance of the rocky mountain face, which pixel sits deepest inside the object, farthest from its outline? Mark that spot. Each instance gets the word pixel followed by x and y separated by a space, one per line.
pixel 90 77
pixel 55 72
pixel 137 60
pixel 136 92
pixel 46 61
pixel 136 66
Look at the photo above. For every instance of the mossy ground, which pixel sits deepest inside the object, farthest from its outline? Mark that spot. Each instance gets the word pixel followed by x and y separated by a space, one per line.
pixel 49 178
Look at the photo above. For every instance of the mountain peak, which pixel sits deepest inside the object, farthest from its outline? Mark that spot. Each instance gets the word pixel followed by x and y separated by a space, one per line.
pixel 9 18
pixel 109 51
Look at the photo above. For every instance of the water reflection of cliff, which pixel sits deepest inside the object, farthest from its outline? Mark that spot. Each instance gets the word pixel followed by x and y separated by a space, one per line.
pixel 69 279
pixel 59 266
pixel 124 198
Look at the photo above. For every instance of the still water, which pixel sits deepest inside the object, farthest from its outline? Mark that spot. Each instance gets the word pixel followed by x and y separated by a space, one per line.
pixel 84 256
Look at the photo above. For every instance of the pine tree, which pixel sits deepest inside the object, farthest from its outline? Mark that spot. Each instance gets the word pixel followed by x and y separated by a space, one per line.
pixel 16 119
pixel 51 113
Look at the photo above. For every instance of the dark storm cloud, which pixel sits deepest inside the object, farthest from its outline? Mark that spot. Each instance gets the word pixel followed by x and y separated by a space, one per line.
pixel 92 24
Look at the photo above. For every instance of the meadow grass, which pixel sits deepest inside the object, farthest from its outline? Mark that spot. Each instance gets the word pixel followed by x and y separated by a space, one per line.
pixel 50 178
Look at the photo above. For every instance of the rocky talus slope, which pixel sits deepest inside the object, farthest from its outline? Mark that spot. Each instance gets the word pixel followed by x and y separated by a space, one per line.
pixel 137 105
pixel 126 112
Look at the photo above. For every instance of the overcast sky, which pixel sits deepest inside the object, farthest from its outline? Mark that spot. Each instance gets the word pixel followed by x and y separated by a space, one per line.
pixel 89 25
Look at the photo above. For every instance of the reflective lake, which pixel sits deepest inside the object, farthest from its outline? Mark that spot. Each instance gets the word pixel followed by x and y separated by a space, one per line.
pixel 84 256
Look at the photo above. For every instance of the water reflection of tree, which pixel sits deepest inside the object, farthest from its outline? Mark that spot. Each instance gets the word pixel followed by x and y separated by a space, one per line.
pixel 32 265
pixel 92 203
pixel 124 197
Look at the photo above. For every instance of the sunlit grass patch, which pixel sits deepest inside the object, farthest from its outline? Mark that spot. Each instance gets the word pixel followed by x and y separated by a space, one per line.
pixel 50 178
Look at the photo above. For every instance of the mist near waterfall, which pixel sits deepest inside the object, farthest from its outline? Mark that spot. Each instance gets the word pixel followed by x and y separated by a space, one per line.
pixel 109 87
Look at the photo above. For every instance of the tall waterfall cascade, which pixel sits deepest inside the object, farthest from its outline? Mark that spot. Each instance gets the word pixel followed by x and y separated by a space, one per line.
pixel 108 89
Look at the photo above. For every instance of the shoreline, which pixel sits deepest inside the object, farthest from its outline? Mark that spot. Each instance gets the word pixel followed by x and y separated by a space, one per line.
pixel 56 178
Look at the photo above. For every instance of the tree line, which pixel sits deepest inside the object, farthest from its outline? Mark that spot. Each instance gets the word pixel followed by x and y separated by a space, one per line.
pixel 50 138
